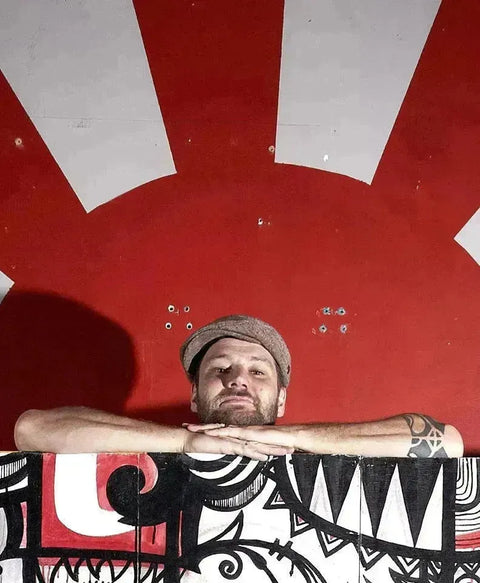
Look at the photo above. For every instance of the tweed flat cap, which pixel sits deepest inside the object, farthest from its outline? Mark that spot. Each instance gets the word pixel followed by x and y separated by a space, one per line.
pixel 244 328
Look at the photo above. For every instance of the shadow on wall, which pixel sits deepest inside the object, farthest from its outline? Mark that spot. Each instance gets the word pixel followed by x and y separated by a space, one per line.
pixel 174 414
pixel 56 352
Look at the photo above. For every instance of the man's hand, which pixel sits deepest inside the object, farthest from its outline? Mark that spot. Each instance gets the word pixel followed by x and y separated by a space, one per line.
pixel 201 439
pixel 253 439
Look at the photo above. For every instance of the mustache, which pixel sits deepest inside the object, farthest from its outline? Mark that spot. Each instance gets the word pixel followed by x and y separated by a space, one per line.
pixel 226 393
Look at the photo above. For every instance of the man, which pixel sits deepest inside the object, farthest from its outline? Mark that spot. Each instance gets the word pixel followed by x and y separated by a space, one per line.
pixel 239 368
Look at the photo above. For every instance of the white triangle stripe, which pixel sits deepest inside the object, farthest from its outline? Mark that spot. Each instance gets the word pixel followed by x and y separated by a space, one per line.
pixel 394 526
pixel 349 516
pixel 430 536
pixel 291 475
pixel 105 130
pixel 320 504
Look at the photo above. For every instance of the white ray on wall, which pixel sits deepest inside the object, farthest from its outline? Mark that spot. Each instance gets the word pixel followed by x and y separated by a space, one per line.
pixel 469 237
pixel 345 69
pixel 5 285
pixel 80 70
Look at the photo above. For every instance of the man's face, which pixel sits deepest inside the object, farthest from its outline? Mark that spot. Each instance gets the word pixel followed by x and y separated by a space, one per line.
pixel 237 385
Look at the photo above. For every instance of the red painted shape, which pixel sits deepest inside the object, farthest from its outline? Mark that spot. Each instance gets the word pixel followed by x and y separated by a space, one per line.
pixel 55 534
pixel 467 542
pixel 106 464
pixel 385 252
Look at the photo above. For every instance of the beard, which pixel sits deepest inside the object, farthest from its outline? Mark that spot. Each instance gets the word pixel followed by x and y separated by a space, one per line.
pixel 260 414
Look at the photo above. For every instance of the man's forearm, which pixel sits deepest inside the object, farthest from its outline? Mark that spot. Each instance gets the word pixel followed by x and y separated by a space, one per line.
pixel 409 435
pixel 78 429
pixel 82 430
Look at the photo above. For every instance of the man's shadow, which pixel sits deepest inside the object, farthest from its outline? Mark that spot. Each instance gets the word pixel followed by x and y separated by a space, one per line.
pixel 56 352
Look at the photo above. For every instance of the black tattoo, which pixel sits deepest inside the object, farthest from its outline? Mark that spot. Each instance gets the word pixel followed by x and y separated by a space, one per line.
pixel 428 442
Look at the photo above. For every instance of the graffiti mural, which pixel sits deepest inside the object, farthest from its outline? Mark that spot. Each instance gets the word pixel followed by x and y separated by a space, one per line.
pixel 306 518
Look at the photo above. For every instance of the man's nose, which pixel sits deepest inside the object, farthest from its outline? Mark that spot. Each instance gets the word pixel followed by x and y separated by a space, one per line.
pixel 238 378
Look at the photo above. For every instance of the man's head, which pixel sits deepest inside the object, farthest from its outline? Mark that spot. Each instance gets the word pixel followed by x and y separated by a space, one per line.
pixel 239 367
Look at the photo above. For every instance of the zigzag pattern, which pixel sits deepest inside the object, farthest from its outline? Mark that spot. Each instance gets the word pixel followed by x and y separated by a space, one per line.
pixel 384 493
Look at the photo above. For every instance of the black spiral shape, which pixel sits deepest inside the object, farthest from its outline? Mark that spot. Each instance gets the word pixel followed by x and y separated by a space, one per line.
pixel 159 504
pixel 231 568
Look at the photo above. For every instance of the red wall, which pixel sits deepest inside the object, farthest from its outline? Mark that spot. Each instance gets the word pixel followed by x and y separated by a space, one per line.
pixel 85 321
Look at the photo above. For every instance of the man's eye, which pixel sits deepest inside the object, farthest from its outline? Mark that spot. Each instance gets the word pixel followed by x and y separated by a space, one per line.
pixel 221 369
pixel 258 372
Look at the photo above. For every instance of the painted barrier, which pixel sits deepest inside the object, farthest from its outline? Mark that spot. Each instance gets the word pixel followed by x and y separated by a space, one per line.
pixel 167 517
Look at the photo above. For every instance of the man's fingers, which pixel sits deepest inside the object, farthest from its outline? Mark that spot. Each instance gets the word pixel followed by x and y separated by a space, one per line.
pixel 270 435
pixel 201 442
pixel 196 428
pixel 238 432
pixel 242 449
pixel 255 448
pixel 268 449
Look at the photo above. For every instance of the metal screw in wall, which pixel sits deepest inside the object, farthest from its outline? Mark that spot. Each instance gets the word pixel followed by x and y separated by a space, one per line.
pixel 171 308
pixel 322 328
pixel 168 325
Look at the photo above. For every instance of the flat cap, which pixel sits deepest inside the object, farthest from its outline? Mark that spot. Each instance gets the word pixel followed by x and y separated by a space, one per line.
pixel 243 328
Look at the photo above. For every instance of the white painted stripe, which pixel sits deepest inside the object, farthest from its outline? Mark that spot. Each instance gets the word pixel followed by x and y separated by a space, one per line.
pixel 365 520
pixel 320 504
pixel 394 525
pixel 3 530
pixel 469 237
pixel 80 70
pixel 5 285
pixel 291 475
pixel 12 467
pixel 76 497
pixel 216 474
pixel 345 69
pixel 18 486
pixel 430 536
pixel 466 484
pixel 349 516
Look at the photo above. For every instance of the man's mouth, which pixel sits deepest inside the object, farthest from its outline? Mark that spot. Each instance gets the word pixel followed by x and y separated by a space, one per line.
pixel 237 400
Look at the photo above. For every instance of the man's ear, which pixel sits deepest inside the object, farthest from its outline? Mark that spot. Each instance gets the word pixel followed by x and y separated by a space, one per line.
pixel 193 398
pixel 282 397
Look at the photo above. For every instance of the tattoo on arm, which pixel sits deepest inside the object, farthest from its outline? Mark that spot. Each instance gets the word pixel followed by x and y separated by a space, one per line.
pixel 427 441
